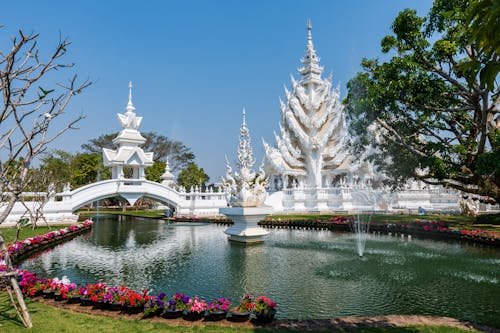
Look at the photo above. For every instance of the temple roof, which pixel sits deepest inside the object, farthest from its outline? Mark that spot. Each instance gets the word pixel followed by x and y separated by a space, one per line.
pixel 127 156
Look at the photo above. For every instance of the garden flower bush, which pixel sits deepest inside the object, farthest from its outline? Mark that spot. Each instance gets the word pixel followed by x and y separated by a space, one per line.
pixel 219 305
pixel 177 302
pixel 264 306
pixel 247 304
pixel 196 305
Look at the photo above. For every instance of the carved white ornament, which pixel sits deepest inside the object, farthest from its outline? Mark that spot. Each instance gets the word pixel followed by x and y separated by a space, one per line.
pixel 245 188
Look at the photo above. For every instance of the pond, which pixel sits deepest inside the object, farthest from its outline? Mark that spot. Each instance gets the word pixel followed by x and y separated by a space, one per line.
pixel 310 274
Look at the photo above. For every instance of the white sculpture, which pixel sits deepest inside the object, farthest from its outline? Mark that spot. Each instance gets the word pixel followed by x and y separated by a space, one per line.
pixel 245 191
pixel 245 188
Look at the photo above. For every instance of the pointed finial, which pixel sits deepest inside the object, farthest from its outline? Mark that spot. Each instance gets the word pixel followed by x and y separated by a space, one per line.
pixel 244 117
pixel 130 107
pixel 130 92
pixel 309 33
pixel 311 72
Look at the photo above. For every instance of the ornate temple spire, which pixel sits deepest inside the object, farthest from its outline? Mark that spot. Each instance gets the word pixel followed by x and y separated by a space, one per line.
pixel 311 71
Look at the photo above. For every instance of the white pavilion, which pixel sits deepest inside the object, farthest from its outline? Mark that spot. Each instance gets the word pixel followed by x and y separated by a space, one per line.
pixel 129 153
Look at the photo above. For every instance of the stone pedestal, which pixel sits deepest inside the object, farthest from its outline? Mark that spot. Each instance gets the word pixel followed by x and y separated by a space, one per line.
pixel 245 228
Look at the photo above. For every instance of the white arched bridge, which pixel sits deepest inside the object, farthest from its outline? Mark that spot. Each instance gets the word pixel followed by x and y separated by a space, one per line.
pixel 61 206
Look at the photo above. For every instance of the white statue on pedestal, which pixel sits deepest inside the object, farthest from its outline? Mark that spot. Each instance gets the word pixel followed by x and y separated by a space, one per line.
pixel 246 192
pixel 245 188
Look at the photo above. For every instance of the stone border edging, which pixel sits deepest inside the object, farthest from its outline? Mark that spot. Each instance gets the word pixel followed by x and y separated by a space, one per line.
pixel 341 324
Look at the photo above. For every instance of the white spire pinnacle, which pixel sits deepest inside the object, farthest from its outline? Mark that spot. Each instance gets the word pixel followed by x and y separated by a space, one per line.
pixel 311 72
pixel 309 35
pixel 130 91
pixel 130 107
pixel 129 119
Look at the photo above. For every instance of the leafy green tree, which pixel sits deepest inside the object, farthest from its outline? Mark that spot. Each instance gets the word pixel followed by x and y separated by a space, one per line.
pixel 192 175
pixel 61 167
pixel 430 117
pixel 57 167
pixel 86 169
pixel 154 172
pixel 484 19
pixel 163 148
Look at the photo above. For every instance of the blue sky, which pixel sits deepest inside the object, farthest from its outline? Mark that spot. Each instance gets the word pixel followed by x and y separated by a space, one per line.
pixel 196 64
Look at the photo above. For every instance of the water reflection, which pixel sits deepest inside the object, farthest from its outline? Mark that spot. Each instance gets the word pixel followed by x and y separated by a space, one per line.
pixel 311 274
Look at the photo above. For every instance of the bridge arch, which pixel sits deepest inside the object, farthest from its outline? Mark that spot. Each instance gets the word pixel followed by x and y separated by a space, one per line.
pixel 129 189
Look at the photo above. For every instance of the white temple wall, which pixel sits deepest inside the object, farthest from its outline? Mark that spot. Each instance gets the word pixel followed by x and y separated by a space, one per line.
pixel 361 198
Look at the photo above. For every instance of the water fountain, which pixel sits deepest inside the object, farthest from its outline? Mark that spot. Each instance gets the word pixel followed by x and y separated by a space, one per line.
pixel 360 225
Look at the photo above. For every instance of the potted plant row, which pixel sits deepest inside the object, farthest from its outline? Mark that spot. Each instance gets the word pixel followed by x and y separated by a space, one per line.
pixel 121 298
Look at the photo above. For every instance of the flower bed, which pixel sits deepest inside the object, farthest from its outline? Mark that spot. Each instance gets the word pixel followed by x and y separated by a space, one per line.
pixel 124 299
pixel 338 223
pixel 427 229
pixel 183 218
pixel 439 230
pixel 39 242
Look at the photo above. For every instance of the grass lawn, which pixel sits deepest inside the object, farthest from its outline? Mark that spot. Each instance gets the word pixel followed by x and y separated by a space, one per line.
pixel 48 319
pixel 10 233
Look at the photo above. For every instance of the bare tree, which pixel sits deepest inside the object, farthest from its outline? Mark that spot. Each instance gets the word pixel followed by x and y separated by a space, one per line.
pixel 30 104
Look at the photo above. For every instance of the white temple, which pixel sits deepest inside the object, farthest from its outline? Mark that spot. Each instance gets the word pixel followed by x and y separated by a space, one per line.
pixel 128 154
pixel 310 168
pixel 311 147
